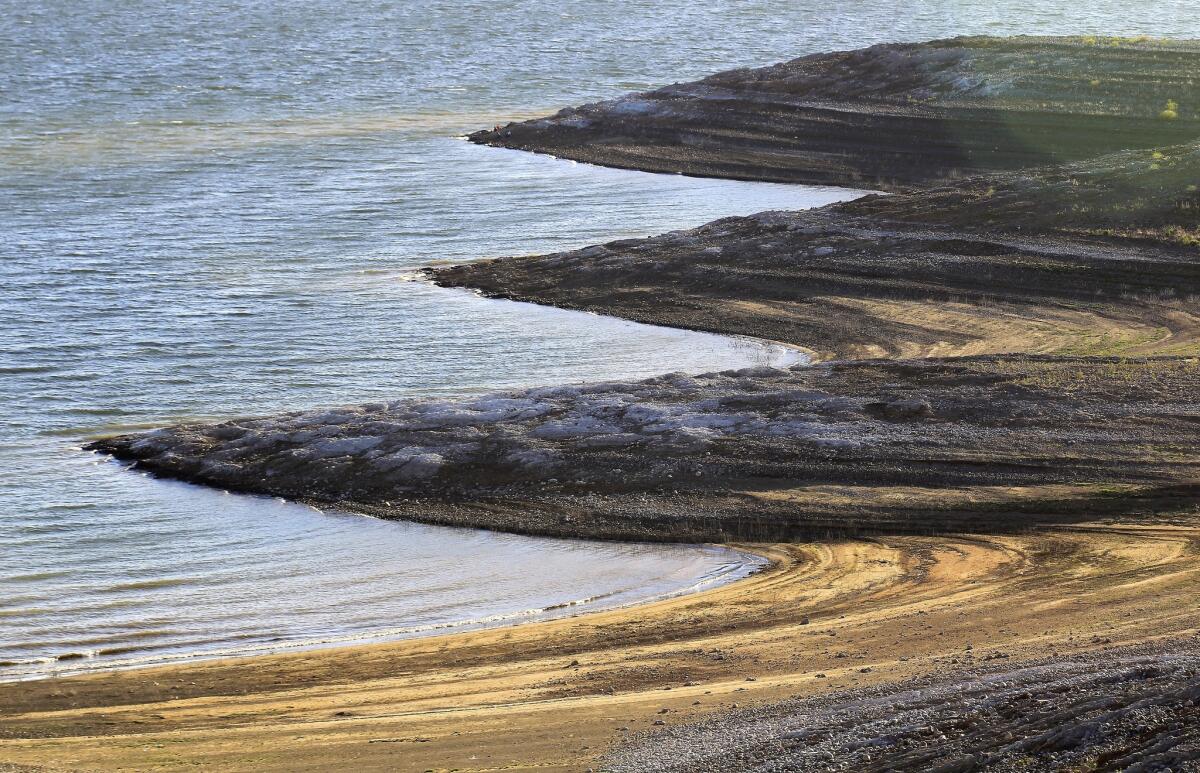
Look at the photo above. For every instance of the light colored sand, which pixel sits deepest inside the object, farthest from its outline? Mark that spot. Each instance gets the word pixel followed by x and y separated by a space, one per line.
pixel 554 695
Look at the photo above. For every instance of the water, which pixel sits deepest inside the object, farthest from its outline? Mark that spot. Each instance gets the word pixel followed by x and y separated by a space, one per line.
pixel 211 208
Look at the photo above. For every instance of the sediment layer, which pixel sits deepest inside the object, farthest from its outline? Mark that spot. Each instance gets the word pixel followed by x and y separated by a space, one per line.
pixel 893 116
pixel 824 619
pixel 1054 313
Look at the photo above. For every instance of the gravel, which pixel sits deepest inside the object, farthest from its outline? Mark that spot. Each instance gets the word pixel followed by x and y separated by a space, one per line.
pixel 1134 709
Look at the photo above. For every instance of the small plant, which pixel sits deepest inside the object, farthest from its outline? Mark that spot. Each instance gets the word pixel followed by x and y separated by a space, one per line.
pixel 1171 112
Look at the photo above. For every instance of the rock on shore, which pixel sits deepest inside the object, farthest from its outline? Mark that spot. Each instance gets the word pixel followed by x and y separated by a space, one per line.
pixel 754 453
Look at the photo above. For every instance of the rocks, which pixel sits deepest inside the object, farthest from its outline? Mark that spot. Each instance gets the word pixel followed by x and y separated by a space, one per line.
pixel 894 116
pixel 666 457
pixel 1136 709
pixel 517 438
pixel 346 446
pixel 900 410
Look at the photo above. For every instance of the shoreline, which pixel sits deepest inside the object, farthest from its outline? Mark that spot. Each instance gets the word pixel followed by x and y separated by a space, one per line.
pixel 899 117
pixel 824 618
pixel 432 275
pixel 839 448
pixel 993 462
pixel 749 563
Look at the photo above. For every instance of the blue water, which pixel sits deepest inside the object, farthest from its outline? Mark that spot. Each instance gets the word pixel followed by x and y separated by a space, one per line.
pixel 216 208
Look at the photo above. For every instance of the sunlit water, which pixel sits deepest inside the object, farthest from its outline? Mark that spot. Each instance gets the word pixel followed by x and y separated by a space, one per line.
pixel 210 209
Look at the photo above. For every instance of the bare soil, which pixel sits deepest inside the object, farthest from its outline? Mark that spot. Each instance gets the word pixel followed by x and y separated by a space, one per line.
pixel 980 503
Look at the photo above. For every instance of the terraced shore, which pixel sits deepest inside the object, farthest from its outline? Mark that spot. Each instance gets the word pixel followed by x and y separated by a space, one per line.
pixel 988 475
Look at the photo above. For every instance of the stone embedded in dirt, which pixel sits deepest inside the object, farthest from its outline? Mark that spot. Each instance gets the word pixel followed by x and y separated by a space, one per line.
pixel 1138 709
pixel 903 409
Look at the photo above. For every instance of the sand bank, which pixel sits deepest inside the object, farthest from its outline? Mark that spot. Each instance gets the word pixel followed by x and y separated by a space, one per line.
pixel 555 695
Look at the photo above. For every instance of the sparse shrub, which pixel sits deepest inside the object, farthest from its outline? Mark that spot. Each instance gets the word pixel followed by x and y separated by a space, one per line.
pixel 1171 112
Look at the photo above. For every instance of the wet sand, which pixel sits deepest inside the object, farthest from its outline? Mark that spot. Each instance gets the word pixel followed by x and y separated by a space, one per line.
pixel 554 696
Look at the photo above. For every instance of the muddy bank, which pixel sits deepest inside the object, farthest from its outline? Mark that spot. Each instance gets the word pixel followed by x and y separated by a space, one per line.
pixel 824 618
pixel 1058 289
pixel 894 116
pixel 839 448
pixel 1093 262
pixel 1098 257
pixel 1039 329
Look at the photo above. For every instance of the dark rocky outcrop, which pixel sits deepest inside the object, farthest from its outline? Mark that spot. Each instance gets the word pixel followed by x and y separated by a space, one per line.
pixel 894 116
pixel 979 444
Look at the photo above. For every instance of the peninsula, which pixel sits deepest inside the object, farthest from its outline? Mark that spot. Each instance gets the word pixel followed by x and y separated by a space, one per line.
pixel 980 499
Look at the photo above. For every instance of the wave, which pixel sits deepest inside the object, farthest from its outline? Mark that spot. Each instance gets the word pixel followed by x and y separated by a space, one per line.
pixel 162 582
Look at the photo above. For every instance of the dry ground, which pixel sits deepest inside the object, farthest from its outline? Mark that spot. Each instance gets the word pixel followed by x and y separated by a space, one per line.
pixel 1096 257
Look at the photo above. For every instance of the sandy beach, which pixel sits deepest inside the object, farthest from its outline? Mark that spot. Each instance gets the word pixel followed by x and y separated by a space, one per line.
pixel 555 696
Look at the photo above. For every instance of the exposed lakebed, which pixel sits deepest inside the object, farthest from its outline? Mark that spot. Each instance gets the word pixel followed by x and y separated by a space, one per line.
pixel 190 239
pixel 174 262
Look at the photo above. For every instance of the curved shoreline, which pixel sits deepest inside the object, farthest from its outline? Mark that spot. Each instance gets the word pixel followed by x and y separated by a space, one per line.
pixel 839 448
pixel 432 275
pixel 1054 467
pixel 824 617
pixel 749 562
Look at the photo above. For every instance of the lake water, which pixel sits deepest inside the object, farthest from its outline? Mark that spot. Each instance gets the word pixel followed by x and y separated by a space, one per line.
pixel 215 208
